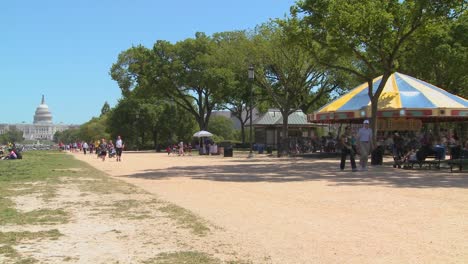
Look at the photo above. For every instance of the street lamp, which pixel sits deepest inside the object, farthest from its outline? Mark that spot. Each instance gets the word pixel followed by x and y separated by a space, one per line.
pixel 251 79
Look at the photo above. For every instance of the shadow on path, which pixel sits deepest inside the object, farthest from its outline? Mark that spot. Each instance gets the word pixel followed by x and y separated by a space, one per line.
pixel 298 170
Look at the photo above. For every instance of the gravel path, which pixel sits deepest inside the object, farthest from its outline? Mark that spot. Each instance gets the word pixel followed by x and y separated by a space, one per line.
pixel 306 211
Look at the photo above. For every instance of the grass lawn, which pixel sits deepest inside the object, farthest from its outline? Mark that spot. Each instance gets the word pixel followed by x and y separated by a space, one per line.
pixel 41 174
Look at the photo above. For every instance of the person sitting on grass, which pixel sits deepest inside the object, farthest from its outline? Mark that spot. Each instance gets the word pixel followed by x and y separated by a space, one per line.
pixel 12 155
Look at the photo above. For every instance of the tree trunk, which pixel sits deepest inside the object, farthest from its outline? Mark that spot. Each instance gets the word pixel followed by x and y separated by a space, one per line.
pixel 243 132
pixel 374 109
pixel 374 97
pixel 201 123
pixel 284 138
pixel 155 139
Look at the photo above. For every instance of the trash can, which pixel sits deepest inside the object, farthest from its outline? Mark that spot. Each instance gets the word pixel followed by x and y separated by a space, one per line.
pixel 260 149
pixel 228 152
pixel 269 150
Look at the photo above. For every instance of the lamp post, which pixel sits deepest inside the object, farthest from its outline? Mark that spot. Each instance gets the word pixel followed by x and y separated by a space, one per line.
pixel 251 79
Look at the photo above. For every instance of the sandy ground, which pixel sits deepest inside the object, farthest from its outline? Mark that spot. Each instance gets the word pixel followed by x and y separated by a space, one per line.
pixel 307 211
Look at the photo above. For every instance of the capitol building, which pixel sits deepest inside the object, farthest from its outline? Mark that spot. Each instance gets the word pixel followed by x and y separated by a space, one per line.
pixel 42 127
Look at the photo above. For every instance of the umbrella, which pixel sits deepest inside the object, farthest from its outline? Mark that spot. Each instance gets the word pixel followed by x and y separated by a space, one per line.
pixel 202 133
pixel 402 97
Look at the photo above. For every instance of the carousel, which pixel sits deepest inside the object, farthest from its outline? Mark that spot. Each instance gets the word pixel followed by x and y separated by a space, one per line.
pixel 405 104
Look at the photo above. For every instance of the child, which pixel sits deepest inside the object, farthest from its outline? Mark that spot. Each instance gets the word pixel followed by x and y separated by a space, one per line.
pixel 168 150
pixel 409 158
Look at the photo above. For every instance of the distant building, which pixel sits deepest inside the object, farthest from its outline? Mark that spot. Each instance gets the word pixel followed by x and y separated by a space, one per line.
pixel 235 121
pixel 42 127
pixel 268 127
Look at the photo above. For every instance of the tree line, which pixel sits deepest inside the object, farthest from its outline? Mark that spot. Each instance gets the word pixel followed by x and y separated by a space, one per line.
pixel 321 50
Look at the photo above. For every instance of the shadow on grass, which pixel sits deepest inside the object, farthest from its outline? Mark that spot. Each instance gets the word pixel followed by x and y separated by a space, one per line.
pixel 302 170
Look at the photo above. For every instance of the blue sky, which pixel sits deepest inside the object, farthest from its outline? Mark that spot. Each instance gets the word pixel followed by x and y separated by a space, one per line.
pixel 64 49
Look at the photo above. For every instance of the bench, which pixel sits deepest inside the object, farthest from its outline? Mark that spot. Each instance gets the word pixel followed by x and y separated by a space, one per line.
pixel 429 161
pixel 458 163
pixel 459 160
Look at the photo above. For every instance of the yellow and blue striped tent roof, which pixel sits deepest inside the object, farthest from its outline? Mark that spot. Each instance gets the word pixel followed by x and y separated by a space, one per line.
pixel 400 92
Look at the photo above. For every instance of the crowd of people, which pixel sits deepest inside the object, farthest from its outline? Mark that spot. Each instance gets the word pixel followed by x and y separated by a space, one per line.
pixel 179 149
pixel 403 146
pixel 101 148
pixel 208 147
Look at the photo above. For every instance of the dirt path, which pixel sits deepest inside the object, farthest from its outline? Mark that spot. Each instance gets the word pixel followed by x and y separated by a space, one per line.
pixel 306 211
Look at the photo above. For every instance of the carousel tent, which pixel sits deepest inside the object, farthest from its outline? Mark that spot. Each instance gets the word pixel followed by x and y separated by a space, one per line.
pixel 403 97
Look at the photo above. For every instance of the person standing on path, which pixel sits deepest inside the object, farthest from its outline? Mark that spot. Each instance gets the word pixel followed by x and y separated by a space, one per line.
pixel 85 147
pixel 118 148
pixel 347 148
pixel 181 148
pixel 364 140
pixel 103 149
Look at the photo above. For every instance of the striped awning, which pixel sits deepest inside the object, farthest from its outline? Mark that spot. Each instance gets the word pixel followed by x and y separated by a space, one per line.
pixel 402 96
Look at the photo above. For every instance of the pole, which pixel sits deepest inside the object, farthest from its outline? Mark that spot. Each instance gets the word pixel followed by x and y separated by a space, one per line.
pixel 250 132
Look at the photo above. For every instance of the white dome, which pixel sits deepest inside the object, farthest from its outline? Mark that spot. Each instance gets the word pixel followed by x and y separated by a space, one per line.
pixel 41 106
pixel 43 115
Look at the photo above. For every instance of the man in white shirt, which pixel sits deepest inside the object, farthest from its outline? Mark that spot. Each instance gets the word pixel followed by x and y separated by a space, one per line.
pixel 181 148
pixel 364 141
pixel 85 147
pixel 118 148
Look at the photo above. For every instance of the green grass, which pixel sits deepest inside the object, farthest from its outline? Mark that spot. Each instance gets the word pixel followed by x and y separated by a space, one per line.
pixel 183 257
pixel 37 174
pixel 13 238
pixel 16 179
pixel 186 219
pixel 9 252
pixel 35 166
pixel 129 209
pixel 41 173
pixel 9 215
pixel 188 257
pixel 10 239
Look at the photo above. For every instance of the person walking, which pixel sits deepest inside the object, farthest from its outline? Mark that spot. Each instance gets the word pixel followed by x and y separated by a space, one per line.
pixel 346 141
pixel 364 140
pixel 103 149
pixel 181 148
pixel 85 147
pixel 119 145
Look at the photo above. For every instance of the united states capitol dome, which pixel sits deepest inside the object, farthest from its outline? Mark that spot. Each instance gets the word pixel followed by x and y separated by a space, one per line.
pixel 43 115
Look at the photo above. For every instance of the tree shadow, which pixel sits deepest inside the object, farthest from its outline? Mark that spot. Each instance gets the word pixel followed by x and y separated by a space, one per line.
pixel 386 100
pixel 300 170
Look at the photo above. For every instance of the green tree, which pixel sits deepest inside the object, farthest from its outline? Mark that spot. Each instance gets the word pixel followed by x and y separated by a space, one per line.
pixel 124 121
pixel 94 129
pixel 288 73
pixel 130 68
pixel 438 55
pixel 223 127
pixel 235 53
pixel 139 120
pixel 189 74
pixel 13 135
pixel 67 136
pixel 365 38
pixel 105 109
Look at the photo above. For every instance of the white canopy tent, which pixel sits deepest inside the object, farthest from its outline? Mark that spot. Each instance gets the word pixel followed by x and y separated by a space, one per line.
pixel 202 133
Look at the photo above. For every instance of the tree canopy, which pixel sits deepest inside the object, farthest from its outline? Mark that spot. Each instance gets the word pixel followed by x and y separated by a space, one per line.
pixel 366 38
